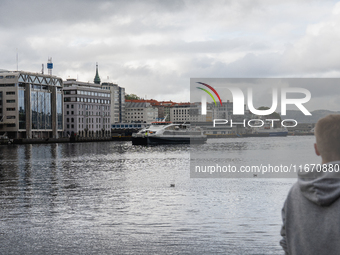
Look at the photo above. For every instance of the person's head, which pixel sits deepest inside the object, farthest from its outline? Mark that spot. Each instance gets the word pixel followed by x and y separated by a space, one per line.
pixel 327 134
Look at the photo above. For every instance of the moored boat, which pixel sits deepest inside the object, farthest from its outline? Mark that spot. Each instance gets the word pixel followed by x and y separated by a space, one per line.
pixel 266 129
pixel 168 133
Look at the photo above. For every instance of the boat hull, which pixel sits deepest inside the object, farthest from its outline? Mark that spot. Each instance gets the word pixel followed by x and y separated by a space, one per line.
pixel 278 133
pixel 139 141
pixel 155 140
pixel 267 134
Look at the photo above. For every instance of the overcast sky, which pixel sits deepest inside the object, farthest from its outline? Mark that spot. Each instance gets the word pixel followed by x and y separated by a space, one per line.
pixel 153 48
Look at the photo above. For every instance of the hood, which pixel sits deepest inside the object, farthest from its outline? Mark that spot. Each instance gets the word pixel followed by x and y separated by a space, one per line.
pixel 321 188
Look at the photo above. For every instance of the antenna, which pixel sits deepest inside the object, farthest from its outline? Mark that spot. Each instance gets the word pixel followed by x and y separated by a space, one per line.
pixel 42 68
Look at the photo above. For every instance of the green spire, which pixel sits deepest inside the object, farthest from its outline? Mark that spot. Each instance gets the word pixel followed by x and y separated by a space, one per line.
pixel 97 78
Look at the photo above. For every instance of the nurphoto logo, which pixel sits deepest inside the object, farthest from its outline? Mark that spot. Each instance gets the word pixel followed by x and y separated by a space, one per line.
pixel 238 99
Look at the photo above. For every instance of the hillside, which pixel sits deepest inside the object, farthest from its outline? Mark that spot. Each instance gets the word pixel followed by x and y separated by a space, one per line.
pixel 301 118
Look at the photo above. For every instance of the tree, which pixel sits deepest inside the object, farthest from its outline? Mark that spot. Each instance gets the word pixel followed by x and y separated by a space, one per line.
pixel 273 115
pixel 131 97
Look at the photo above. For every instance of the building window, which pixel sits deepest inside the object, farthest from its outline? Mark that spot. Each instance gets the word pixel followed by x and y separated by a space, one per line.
pixel 22 111
pixel 10 93
pixel 10 109
pixel 10 117
pixel 10 101
pixel 7 85
pixel 59 110
pixel 67 106
pixel 67 120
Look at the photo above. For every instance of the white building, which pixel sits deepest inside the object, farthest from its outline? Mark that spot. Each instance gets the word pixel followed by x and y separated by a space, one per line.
pixel 87 109
pixel 117 101
pixel 140 112
pixel 189 113
pixel 180 113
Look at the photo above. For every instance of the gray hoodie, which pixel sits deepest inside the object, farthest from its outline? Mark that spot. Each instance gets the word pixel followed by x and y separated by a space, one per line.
pixel 311 214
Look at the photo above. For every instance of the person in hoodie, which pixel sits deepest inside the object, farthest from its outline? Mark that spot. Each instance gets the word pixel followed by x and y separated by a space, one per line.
pixel 311 212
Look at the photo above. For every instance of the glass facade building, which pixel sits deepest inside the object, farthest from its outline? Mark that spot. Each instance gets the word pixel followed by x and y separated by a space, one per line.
pixel 32 105
pixel 41 104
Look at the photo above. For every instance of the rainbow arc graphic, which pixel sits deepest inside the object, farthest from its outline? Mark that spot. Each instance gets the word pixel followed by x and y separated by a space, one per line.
pixel 209 93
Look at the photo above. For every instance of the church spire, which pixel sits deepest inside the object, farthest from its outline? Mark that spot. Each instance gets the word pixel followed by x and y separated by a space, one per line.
pixel 97 78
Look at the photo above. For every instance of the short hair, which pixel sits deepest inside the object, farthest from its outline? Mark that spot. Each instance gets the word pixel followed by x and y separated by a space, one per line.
pixel 327 134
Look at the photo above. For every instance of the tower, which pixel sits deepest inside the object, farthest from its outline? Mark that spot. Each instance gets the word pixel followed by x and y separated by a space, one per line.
pixel 49 66
pixel 97 78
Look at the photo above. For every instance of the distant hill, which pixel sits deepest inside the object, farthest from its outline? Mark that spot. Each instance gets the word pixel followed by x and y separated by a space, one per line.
pixel 301 118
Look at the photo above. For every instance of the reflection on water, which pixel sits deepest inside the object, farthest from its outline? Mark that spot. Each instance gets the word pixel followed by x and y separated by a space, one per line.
pixel 115 198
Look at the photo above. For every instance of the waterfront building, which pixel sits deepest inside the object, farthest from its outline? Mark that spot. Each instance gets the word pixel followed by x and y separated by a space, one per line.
pixel 196 116
pixel 189 112
pixel 31 105
pixel 167 105
pixel 87 109
pixel 216 111
pixel 223 111
pixel 164 107
pixel 140 112
pixel 180 113
pixel 213 111
pixel 117 101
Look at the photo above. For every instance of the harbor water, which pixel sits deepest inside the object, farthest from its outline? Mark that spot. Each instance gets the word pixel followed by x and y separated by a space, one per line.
pixel 116 198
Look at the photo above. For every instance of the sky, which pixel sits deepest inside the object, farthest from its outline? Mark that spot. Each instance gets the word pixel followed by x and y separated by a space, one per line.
pixel 153 48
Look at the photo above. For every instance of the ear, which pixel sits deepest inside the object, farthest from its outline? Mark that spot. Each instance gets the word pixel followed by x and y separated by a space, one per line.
pixel 316 150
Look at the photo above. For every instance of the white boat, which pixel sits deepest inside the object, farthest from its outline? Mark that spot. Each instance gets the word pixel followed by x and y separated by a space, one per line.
pixel 4 139
pixel 168 133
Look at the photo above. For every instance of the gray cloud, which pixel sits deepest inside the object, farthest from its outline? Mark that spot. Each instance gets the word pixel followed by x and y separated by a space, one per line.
pixel 153 47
